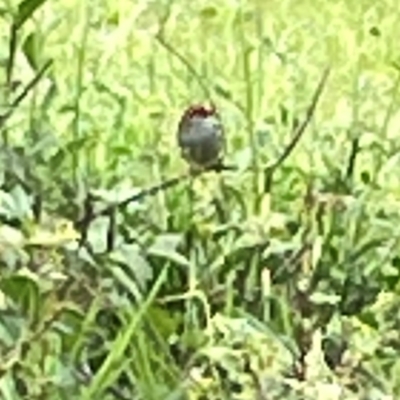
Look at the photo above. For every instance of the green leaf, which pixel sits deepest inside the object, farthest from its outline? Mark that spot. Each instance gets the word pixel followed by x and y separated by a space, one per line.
pixel 24 291
pixel 375 31
pixel 208 12
pixel 15 204
pixel 130 255
pixel 166 242
pixel 30 48
pixel 43 146
pixel 97 234
pixel 49 96
pixel 73 146
pixel 22 202
pixel 165 246
pixel 25 11
pixel 8 387
pixel 10 328
pixel 70 320
pixel 167 323
pixel 323 298
pixel 223 91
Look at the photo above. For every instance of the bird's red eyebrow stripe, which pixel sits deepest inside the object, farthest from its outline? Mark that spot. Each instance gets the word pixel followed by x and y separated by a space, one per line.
pixel 200 111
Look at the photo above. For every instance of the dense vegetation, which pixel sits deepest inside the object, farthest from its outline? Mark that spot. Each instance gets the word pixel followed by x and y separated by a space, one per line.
pixel 273 281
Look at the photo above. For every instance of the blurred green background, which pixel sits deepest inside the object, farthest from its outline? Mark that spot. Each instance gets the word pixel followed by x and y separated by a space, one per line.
pixel 219 287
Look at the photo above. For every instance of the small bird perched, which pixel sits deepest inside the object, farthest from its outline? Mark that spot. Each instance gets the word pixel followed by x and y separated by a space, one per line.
pixel 201 137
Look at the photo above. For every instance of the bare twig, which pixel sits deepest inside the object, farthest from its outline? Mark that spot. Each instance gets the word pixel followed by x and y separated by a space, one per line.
pixel 351 164
pixel 90 215
pixel 297 134
pixel 160 38
pixel 15 103
pixel 12 46
pixel 172 50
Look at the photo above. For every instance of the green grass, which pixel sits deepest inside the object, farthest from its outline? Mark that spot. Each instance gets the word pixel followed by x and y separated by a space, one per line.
pixel 213 289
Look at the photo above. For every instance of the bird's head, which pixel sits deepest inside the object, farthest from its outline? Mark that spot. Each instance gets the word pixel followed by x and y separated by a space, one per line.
pixel 200 111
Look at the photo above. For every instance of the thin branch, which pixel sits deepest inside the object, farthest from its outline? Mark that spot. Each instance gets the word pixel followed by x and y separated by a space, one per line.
pixel 200 80
pixel 351 164
pixel 298 132
pixel 90 215
pixel 15 103
pixel 12 46
pixel 151 191
pixel 160 38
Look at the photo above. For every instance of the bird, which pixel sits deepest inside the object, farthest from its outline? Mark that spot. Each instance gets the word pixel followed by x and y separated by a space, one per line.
pixel 200 136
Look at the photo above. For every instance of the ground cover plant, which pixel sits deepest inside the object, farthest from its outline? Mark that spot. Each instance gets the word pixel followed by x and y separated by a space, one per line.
pixel 279 279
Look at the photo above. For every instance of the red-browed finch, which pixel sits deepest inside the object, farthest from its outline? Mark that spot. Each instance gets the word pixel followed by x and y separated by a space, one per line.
pixel 201 137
